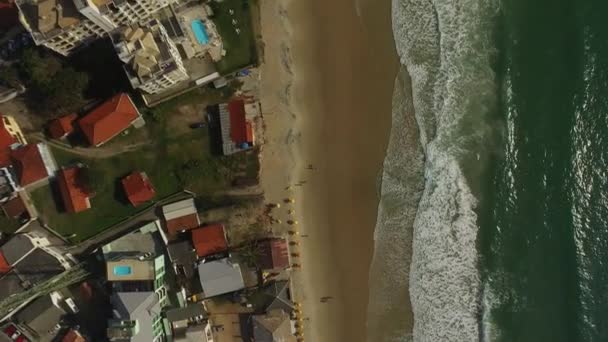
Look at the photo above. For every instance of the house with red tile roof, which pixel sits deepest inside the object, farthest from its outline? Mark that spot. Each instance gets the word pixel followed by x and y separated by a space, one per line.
pixel 110 119
pixel 62 127
pixel 180 216
pixel 209 240
pixel 274 254
pixel 76 197
pixel 236 129
pixel 33 164
pixel 138 188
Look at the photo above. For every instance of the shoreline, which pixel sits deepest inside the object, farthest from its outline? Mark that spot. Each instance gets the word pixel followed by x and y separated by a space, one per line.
pixel 327 87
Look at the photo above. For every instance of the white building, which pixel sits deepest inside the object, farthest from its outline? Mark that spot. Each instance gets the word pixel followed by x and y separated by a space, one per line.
pixel 64 25
pixel 152 61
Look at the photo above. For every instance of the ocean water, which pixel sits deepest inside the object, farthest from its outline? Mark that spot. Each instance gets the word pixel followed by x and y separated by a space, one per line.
pixel 510 232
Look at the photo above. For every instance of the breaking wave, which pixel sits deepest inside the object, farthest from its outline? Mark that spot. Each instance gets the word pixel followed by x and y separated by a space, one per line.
pixel 447 47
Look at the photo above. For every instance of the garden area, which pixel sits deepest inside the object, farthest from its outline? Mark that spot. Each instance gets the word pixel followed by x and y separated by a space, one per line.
pixel 240 46
pixel 174 161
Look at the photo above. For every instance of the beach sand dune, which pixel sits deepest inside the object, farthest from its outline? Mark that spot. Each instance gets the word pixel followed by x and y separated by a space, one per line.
pixel 327 83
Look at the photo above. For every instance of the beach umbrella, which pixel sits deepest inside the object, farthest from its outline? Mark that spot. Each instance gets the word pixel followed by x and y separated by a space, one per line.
pixel 295 255
pixel 293 232
pixel 291 211
pixel 294 243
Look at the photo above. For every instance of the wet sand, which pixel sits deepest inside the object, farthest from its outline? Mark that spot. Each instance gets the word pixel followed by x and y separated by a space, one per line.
pixel 327 85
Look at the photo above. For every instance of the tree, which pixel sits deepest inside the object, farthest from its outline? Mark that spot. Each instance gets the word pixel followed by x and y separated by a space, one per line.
pixel 10 77
pixel 91 178
pixel 39 69
pixel 65 92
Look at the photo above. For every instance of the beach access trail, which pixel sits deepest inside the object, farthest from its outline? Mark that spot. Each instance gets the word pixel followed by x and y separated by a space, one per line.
pixel 327 84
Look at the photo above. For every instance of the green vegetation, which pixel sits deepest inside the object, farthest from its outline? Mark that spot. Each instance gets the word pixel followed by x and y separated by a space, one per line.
pixel 240 48
pixel 8 225
pixel 173 163
pixel 52 87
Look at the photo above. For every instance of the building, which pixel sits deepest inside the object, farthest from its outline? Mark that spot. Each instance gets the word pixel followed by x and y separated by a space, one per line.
pixel 61 127
pixel 8 184
pixel 9 16
pixel 236 130
pixel 137 317
pixel 75 195
pixel 33 164
pixel 209 240
pixel 274 326
pixel 136 262
pixel 152 62
pixel 40 320
pixel 19 207
pixel 138 188
pixel 10 137
pixel 220 277
pixel 274 254
pixel 110 119
pixel 188 321
pixel 180 216
pixel 183 257
pixel 27 260
pixel 66 25
pixel 275 296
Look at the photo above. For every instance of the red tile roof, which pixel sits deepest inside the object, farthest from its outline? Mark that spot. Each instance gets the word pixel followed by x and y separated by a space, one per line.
pixel 138 188
pixel 238 129
pixel 62 126
pixel 28 164
pixel 6 140
pixel 5 267
pixel 178 224
pixel 73 336
pixel 209 240
pixel 109 119
pixel 14 207
pixel 275 254
pixel 75 196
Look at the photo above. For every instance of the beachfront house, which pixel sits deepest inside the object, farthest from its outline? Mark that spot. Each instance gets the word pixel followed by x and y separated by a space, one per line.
pixel 235 124
pixel 220 277
pixel 274 254
pixel 274 326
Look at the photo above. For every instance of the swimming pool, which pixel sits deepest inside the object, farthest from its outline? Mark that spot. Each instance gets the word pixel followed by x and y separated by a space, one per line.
pixel 122 270
pixel 200 32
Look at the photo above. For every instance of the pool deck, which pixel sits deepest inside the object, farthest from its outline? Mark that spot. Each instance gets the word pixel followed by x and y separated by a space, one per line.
pixel 185 16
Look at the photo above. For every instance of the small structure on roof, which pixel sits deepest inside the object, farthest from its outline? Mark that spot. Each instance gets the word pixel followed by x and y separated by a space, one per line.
pixel 62 127
pixel 110 119
pixel 10 137
pixel 209 240
pixel 75 195
pixel 33 164
pixel 274 254
pixel 220 277
pixel 180 216
pixel 236 130
pixel 8 184
pixel 138 188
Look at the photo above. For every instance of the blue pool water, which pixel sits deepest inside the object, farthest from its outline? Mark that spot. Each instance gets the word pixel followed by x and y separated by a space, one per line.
pixel 200 32
pixel 122 270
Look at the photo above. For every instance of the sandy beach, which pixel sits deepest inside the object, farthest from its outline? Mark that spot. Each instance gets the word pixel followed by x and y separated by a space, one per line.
pixel 327 84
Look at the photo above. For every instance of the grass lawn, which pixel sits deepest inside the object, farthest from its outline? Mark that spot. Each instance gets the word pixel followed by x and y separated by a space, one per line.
pixel 173 163
pixel 240 48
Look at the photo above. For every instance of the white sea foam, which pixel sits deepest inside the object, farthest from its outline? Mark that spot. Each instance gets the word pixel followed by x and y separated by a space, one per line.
pixel 446 47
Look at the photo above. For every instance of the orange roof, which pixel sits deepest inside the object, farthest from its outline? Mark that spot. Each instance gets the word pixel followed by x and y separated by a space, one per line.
pixel 75 196
pixel 6 140
pixel 73 336
pixel 209 240
pixel 138 188
pixel 109 119
pixel 62 126
pixel 178 224
pixel 5 267
pixel 249 130
pixel 29 164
